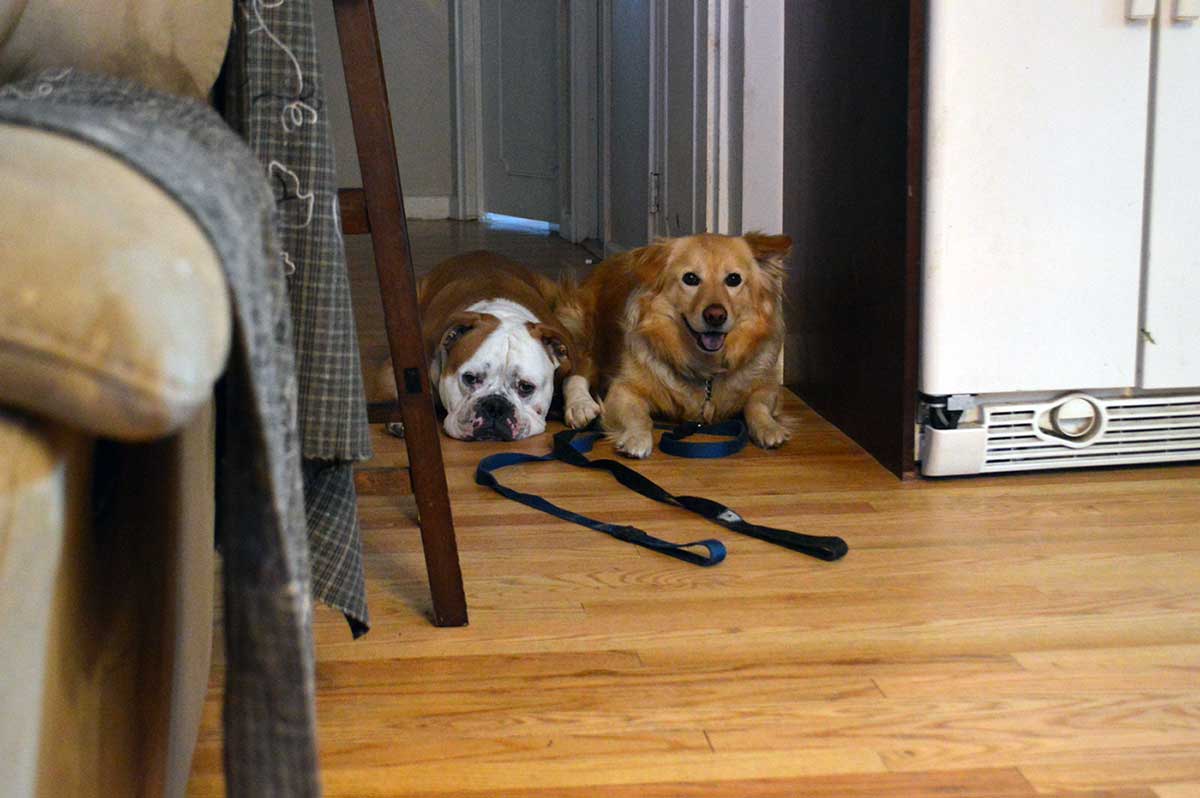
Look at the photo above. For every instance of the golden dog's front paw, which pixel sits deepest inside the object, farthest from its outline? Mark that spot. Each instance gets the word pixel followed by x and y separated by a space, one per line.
pixel 580 412
pixel 770 435
pixel 634 443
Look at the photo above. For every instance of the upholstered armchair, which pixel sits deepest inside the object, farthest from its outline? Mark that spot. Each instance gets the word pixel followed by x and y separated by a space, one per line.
pixel 115 323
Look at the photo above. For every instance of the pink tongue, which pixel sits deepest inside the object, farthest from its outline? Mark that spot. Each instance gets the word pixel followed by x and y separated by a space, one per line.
pixel 712 341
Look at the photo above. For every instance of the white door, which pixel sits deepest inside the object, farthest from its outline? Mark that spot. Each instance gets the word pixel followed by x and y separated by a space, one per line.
pixel 1171 342
pixel 523 88
pixel 1035 166
pixel 677 207
pixel 629 128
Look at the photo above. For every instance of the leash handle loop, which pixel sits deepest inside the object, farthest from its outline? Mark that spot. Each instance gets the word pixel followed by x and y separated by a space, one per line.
pixel 673 441
pixel 570 446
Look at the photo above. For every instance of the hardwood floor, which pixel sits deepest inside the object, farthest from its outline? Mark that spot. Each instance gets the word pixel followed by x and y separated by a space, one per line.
pixel 1004 636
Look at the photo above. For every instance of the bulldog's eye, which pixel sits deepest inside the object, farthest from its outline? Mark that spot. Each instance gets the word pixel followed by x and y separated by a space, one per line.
pixel 470 379
pixel 733 279
pixel 525 389
pixel 691 278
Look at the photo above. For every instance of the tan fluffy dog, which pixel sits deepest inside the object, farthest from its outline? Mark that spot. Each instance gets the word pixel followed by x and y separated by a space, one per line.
pixel 687 329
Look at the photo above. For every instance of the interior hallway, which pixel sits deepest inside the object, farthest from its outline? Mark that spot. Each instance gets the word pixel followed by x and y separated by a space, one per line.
pixel 1025 635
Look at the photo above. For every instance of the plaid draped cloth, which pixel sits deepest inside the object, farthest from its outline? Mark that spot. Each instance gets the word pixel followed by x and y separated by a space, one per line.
pixel 186 148
pixel 274 96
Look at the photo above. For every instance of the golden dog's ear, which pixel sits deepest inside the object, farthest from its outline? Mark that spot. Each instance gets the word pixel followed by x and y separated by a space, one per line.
pixel 649 263
pixel 769 251
pixel 556 341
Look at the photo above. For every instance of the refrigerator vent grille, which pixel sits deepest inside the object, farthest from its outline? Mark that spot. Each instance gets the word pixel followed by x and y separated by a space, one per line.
pixel 1144 430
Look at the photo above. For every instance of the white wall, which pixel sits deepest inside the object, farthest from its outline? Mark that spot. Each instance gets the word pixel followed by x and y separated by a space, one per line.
pixel 415 41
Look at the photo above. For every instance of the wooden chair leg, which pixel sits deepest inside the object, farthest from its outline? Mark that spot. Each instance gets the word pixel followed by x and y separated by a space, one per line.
pixel 384 207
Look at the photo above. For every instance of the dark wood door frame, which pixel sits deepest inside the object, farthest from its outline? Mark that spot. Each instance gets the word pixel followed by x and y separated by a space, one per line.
pixel 853 178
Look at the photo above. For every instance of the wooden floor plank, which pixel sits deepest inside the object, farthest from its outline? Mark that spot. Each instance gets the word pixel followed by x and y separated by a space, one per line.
pixel 1178 790
pixel 1116 769
pixel 1006 783
pixel 595 771
pixel 988 731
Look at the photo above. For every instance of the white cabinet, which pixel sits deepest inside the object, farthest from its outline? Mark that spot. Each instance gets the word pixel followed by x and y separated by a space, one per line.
pixel 1061 232
pixel 1171 347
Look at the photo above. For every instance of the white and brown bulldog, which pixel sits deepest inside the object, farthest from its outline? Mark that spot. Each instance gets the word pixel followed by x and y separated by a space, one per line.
pixel 496 350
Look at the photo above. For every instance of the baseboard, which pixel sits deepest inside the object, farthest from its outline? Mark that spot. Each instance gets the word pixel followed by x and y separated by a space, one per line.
pixel 427 207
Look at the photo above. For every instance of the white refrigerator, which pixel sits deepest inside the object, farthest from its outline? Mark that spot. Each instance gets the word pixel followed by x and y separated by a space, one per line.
pixel 1061 265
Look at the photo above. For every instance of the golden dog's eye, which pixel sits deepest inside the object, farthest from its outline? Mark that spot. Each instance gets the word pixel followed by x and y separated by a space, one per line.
pixel 525 389
pixel 732 280
pixel 691 278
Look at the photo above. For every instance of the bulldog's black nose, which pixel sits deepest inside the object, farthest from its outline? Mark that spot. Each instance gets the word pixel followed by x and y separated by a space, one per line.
pixel 715 315
pixel 493 408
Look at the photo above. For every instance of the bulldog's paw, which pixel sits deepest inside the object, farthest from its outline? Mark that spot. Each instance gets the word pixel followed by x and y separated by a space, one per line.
pixel 634 443
pixel 580 411
pixel 770 434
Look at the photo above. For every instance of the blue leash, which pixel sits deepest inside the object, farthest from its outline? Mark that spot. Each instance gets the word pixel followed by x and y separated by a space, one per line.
pixel 580 445
pixel 571 447
pixel 734 431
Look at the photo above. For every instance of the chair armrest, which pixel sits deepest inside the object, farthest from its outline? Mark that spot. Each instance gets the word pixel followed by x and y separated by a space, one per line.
pixel 114 313
pixel 170 45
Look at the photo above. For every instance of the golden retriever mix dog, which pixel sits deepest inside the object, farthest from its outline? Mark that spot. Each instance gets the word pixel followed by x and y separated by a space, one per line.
pixel 686 329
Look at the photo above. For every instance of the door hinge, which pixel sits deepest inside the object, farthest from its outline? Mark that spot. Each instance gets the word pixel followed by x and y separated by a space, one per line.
pixel 655 192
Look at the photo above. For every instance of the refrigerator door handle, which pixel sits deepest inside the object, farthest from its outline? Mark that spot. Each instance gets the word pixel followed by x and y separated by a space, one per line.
pixel 1138 10
pixel 1186 11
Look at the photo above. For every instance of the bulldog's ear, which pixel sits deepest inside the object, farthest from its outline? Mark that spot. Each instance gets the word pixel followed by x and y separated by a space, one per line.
pixel 456 327
pixel 556 342
pixel 769 251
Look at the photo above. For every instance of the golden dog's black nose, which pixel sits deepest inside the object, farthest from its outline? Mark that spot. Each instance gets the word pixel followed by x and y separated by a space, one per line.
pixel 715 315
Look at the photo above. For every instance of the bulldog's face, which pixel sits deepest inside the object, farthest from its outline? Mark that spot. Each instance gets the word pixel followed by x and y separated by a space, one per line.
pixel 494 372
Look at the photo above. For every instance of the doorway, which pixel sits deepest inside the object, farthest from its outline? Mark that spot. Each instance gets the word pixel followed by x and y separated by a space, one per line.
pixel 526 110
pixel 613 121
pixel 590 117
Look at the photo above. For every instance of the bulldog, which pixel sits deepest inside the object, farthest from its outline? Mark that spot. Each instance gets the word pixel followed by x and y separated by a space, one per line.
pixel 496 350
